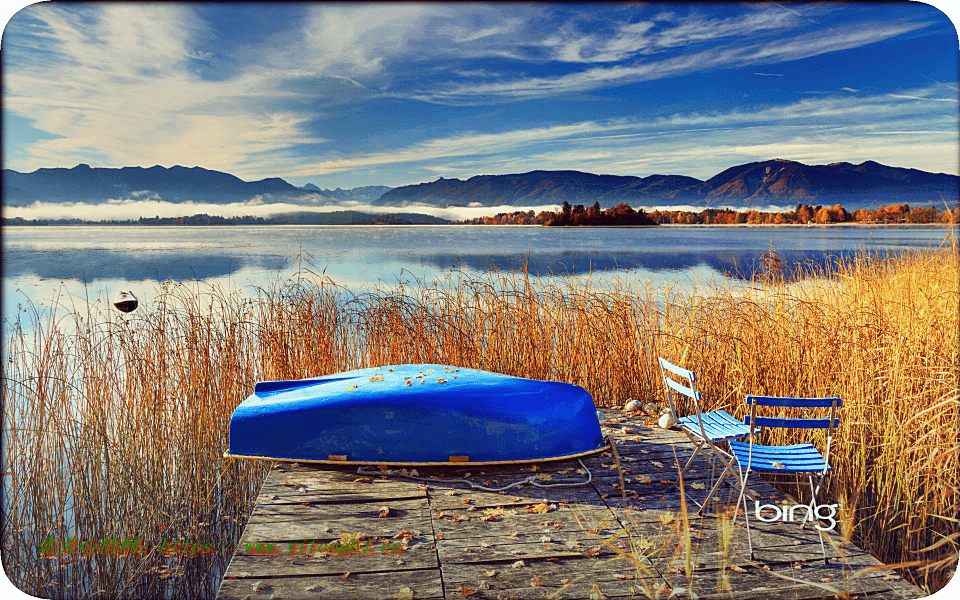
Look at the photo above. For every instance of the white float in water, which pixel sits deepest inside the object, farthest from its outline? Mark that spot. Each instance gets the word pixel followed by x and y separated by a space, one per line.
pixel 125 301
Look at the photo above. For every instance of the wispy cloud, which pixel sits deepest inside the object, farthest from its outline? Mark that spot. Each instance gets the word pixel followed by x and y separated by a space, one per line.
pixel 817 129
pixel 770 52
pixel 119 82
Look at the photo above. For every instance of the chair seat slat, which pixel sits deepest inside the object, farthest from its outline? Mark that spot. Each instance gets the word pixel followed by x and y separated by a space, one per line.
pixel 803 458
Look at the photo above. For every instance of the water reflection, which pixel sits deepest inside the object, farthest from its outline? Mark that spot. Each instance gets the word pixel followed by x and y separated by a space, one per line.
pixel 93 265
pixel 737 264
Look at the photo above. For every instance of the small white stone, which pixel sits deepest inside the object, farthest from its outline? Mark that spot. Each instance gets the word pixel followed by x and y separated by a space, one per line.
pixel 667 420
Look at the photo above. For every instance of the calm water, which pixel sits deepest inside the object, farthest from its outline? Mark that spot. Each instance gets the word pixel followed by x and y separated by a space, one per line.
pixel 95 262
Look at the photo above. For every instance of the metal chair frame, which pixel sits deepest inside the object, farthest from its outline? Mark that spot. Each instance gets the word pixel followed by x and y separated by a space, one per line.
pixel 796 459
pixel 705 429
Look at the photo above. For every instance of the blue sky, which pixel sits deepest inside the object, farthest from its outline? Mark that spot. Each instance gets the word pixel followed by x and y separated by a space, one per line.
pixel 390 94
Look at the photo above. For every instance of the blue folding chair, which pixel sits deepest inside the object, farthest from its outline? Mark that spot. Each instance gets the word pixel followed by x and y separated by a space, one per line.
pixel 705 429
pixel 796 459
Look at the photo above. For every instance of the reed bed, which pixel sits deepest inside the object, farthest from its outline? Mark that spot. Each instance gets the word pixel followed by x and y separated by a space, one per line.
pixel 116 426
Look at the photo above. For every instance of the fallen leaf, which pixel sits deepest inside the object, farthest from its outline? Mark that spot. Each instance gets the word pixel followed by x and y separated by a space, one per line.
pixel 642 479
pixel 465 591
pixel 657 464
pixel 351 388
pixel 572 544
pixel 539 508
pixel 545 539
pixel 466 501
pixel 361 480
pixel 404 594
pixel 698 486
pixel 518 564
pixel 346 575
pixel 376 378
pixel 313 587
pixel 535 582
pixel 384 512
pixel 593 551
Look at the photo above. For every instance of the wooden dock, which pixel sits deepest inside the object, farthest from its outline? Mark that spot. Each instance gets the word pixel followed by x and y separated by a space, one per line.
pixel 532 542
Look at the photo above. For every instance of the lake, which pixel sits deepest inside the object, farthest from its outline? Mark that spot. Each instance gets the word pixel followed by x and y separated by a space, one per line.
pixel 96 261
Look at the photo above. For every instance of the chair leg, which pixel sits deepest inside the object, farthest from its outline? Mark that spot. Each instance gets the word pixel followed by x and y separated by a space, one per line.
pixel 727 469
pixel 746 511
pixel 813 503
pixel 696 450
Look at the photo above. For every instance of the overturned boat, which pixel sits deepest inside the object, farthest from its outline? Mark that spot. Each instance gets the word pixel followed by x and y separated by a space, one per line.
pixel 415 415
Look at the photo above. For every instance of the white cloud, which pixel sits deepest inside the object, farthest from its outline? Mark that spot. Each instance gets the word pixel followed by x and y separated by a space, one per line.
pixel 118 84
pixel 769 52
pixel 698 144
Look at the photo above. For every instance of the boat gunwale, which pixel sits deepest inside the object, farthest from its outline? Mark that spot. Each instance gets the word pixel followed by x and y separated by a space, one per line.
pixel 605 446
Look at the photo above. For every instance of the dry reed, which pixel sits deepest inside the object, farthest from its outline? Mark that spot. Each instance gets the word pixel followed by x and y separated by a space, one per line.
pixel 117 427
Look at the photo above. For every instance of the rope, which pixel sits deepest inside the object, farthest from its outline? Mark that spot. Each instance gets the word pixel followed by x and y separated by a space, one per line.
pixel 532 479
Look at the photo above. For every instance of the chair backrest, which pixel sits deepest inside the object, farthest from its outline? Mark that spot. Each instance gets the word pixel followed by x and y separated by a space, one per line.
pixel 687 385
pixel 830 423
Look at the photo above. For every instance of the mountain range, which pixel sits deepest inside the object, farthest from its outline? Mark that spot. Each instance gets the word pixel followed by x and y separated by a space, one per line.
pixel 758 184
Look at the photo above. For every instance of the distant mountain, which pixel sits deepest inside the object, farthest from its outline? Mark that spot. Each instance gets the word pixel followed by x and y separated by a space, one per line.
pixel 759 184
pixel 865 185
pixel 175 184
pixel 543 187
pixel 777 182
pixel 365 194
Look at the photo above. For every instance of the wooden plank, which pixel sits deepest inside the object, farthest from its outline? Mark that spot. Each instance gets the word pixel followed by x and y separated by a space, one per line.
pixel 396 509
pixel 537 578
pixel 425 584
pixel 481 550
pixel 453 498
pixel 420 555
pixel 561 521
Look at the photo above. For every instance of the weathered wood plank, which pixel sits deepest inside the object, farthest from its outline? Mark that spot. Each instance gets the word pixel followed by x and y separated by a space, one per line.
pixel 425 584
pixel 444 498
pixel 396 509
pixel 415 556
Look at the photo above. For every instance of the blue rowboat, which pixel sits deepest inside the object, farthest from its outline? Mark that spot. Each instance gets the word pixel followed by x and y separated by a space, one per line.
pixel 415 415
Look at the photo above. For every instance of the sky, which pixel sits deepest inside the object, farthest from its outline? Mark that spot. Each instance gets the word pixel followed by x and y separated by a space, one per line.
pixel 346 95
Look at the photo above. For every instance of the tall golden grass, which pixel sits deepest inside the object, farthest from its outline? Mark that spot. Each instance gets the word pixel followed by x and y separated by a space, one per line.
pixel 116 427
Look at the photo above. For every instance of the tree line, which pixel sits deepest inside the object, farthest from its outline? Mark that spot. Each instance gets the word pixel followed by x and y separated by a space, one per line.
pixel 623 214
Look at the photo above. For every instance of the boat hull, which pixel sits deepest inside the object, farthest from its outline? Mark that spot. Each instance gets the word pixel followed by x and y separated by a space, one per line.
pixel 420 414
